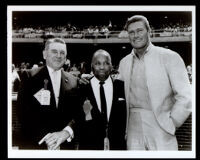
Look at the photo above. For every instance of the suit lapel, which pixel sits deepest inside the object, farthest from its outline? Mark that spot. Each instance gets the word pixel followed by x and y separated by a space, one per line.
pixel 65 81
pixel 62 93
pixel 114 100
pixel 95 111
pixel 128 75
pixel 65 86
pixel 129 63
pixel 50 88
pixel 62 89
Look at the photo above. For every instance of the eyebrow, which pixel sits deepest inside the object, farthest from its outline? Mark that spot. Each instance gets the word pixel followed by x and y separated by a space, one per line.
pixel 53 49
pixel 57 50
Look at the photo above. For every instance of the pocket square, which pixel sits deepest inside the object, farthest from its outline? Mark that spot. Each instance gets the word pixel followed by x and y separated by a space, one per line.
pixel 121 99
pixel 43 96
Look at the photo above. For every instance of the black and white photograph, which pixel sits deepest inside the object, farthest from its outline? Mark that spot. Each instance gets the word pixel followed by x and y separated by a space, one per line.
pixel 101 81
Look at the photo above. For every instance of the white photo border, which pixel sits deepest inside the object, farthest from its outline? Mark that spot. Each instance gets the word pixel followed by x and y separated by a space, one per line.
pixel 13 153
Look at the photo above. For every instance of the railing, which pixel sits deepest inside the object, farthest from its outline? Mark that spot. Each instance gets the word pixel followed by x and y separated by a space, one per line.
pixel 99 35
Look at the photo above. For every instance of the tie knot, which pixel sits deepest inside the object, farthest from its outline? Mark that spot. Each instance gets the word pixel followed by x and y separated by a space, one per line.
pixel 101 83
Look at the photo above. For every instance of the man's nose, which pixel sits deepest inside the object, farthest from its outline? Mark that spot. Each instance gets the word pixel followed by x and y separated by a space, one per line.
pixel 58 54
pixel 136 35
pixel 101 66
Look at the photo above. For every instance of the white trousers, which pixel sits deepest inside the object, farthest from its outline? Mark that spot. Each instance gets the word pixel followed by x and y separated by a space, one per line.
pixel 144 132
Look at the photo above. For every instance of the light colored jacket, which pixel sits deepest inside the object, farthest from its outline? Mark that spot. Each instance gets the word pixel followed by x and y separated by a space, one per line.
pixel 168 85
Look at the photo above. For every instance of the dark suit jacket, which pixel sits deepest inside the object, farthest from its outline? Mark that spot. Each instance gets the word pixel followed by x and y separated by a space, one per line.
pixel 38 120
pixel 92 132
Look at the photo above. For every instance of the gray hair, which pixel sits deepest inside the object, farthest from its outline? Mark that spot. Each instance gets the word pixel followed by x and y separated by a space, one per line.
pixel 103 52
pixel 53 40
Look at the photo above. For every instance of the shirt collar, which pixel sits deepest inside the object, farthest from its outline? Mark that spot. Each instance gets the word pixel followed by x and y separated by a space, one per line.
pixel 96 81
pixel 51 70
pixel 145 52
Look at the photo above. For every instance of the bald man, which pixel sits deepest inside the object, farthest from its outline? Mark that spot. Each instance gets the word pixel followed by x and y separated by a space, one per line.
pixel 104 108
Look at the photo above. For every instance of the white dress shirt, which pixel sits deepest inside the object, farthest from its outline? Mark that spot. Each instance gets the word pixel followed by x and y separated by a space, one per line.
pixel 108 90
pixel 56 80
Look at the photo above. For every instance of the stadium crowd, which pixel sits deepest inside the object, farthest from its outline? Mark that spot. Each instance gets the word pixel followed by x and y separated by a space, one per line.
pixel 102 31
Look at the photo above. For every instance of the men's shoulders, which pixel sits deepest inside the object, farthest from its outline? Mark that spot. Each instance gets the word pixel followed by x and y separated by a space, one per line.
pixel 164 51
pixel 30 74
pixel 118 82
pixel 168 56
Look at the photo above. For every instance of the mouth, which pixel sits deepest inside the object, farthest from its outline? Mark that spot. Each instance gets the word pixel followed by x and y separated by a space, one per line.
pixel 137 40
pixel 101 72
pixel 58 61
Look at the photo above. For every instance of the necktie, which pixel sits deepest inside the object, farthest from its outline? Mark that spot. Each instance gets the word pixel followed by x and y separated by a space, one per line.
pixel 103 103
pixel 55 86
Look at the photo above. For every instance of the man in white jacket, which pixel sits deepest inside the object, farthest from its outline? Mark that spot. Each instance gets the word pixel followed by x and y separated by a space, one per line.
pixel 157 90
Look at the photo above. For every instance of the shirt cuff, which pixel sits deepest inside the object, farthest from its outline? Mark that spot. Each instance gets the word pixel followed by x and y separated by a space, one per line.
pixel 71 133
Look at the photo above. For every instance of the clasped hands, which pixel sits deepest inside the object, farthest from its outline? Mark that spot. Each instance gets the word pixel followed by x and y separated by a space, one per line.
pixel 55 139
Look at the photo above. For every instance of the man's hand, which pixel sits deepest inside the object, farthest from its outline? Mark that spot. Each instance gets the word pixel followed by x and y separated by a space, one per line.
pixel 55 139
pixel 84 78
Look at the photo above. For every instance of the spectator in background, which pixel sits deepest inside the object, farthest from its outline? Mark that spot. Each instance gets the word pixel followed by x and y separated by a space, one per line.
pixel 28 66
pixel 123 34
pixel 90 29
pixel 23 66
pixel 189 70
pixel 35 66
pixel 74 68
pixel 21 70
pixel 96 31
pixel 66 66
pixel 83 67
pixel 157 90
pixel 40 64
pixel 15 79
pixel 106 31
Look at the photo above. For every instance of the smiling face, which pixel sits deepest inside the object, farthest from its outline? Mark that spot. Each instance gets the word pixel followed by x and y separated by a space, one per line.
pixel 101 65
pixel 55 55
pixel 138 35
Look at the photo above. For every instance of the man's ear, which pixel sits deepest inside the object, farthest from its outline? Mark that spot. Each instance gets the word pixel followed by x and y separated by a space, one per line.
pixel 44 54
